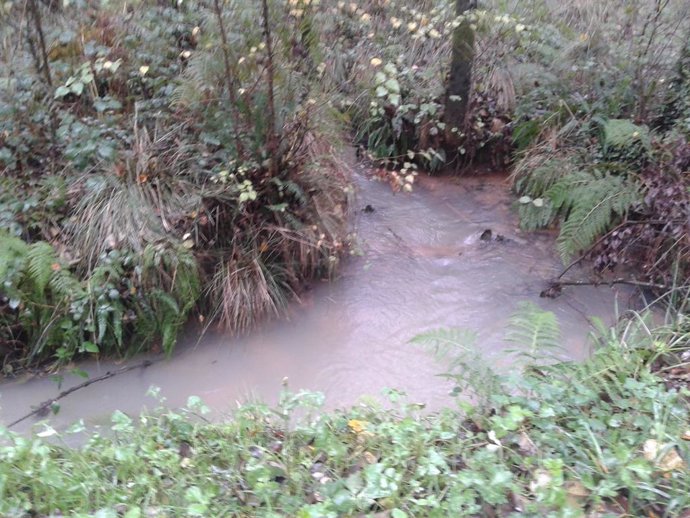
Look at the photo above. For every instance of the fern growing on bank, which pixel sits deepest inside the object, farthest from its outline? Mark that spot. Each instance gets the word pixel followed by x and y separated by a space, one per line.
pixel 55 315
pixel 534 330
pixel 594 207
pixel 585 202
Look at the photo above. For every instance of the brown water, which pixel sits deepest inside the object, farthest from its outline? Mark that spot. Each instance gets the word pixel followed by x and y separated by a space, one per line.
pixel 422 267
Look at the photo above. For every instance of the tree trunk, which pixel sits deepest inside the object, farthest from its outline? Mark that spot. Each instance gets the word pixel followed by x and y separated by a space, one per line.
pixel 460 80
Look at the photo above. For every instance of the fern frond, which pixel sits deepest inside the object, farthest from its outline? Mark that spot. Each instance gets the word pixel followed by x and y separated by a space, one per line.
pixel 623 134
pixel 561 195
pixel 536 181
pixel 41 258
pixel 65 286
pixel 445 342
pixel 534 329
pixel 596 206
pixel 534 217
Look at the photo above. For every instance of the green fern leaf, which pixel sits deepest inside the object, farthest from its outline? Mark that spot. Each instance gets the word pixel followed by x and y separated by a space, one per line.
pixel 596 206
pixel 623 134
pixel 41 258
pixel 445 342
pixel 534 329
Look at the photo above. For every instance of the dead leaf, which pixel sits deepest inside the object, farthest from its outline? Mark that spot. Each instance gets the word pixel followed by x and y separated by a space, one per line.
pixel 577 493
pixel 357 426
pixel 370 457
pixel 669 460
pixel 527 447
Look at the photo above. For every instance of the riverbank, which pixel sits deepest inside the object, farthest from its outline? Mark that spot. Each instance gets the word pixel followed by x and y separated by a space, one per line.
pixel 602 438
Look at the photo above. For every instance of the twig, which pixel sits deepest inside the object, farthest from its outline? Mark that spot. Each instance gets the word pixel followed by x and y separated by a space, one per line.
pixel 38 26
pixel 43 407
pixel 639 284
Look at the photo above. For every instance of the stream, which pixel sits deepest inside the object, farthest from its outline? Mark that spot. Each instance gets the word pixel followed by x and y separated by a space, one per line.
pixel 421 266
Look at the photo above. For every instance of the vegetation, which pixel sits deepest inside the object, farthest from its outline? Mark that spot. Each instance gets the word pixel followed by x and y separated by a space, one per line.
pixel 158 160
pixel 606 159
pixel 607 437
pixel 164 160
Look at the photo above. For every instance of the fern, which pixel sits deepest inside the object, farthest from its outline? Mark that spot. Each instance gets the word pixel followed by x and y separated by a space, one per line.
pixel 603 375
pixel 445 342
pixel 536 181
pixel 65 286
pixel 41 258
pixel 534 329
pixel 536 214
pixel 540 178
pixel 595 205
pixel 467 367
pixel 624 135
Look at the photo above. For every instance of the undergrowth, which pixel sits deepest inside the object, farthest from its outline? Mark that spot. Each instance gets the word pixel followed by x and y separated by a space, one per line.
pixel 158 162
pixel 599 128
pixel 605 437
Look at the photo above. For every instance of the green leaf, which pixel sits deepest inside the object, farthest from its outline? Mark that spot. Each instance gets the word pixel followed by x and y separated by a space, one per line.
pixel 80 372
pixel 77 87
pixel 392 86
pixel 61 91
pixel 89 347
pixel 105 151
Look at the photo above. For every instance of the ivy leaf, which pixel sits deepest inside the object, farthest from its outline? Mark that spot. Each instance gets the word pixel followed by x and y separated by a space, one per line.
pixel 77 88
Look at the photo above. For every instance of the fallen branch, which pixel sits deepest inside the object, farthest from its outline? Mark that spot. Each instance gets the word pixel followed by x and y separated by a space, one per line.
pixel 555 286
pixel 44 407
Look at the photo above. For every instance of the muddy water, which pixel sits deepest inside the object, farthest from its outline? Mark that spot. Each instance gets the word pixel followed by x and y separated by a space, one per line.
pixel 421 266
